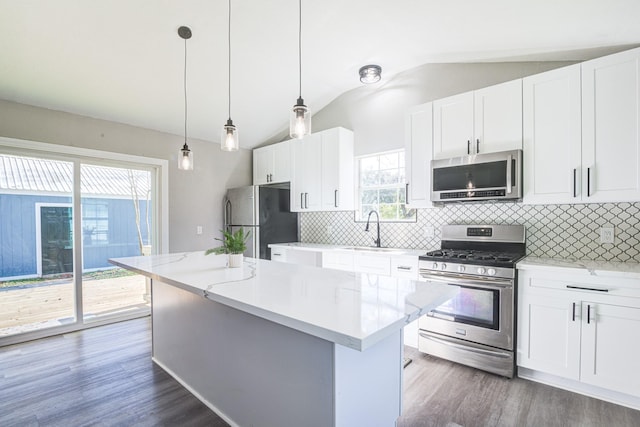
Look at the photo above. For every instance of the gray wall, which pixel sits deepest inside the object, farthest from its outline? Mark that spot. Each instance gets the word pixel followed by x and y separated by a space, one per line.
pixel 375 113
pixel 195 198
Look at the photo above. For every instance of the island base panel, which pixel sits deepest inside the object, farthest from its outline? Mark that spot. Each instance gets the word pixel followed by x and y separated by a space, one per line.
pixel 252 371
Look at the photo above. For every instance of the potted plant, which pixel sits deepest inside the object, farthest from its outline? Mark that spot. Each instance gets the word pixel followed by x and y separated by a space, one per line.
pixel 233 244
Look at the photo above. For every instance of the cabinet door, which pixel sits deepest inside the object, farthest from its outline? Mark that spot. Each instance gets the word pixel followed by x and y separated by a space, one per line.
pixel 549 334
pixel 498 118
pixel 453 126
pixel 418 154
pixel 262 165
pixel 611 127
pixel 281 162
pixel 376 264
pixel 610 347
pixel 552 136
pixel 337 170
pixel 306 179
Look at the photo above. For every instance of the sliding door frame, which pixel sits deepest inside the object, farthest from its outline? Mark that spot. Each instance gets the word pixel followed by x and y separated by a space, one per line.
pixel 79 156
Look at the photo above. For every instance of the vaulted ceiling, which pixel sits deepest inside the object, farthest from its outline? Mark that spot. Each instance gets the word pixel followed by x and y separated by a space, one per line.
pixel 122 60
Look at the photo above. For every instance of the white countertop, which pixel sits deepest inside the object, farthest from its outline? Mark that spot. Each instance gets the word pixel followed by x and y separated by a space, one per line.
pixel 355 310
pixel 630 270
pixel 321 247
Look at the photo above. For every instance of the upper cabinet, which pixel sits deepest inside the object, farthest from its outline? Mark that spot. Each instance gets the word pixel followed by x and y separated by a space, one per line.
pixel 322 174
pixel 552 136
pixel 418 155
pixel 272 164
pixel 611 128
pixel 582 132
pixel 482 121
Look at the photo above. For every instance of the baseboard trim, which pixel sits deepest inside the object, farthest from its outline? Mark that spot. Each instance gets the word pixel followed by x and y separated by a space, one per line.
pixel 196 394
pixel 580 388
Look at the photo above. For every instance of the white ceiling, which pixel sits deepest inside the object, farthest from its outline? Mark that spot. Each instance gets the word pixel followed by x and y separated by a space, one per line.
pixel 122 60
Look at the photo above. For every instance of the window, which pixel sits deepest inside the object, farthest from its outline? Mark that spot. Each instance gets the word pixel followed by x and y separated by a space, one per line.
pixel 95 222
pixel 381 187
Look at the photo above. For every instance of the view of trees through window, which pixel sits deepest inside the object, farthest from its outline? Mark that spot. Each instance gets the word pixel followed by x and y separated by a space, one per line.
pixel 381 187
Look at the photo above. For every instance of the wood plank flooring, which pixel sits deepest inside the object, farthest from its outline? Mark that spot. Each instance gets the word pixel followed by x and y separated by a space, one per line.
pixel 105 377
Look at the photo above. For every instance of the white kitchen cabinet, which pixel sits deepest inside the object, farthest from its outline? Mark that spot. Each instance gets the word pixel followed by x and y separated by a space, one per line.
pixel 611 127
pixel 418 155
pixel 322 177
pixel 580 327
pixel 306 178
pixel 552 136
pixel 278 254
pixel 364 262
pixel 483 121
pixel 338 260
pixel 272 164
pixel 337 173
pixel 405 267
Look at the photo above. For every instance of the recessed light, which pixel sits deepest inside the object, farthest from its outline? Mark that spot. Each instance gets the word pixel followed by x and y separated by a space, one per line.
pixel 370 74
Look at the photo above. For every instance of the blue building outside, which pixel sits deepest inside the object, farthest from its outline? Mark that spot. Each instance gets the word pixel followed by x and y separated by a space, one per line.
pixel 36 229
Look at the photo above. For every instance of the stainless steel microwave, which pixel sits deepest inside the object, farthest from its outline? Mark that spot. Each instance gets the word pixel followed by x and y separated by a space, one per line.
pixel 491 176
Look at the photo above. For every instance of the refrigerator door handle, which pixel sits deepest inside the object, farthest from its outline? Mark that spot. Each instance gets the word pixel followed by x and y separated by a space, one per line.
pixel 227 214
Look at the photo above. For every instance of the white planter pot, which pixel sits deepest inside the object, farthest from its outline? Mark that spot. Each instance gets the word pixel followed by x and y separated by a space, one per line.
pixel 235 260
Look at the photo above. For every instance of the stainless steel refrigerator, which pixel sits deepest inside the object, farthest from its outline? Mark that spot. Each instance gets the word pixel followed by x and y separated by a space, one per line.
pixel 265 213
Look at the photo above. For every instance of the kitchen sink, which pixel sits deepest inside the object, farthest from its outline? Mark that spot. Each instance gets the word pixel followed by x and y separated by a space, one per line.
pixel 372 249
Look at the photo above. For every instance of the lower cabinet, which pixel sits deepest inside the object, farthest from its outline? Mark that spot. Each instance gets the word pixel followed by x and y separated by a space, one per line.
pixel 586 330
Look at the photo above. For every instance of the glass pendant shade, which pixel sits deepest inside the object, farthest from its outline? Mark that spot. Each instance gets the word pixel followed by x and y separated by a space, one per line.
pixel 300 124
pixel 229 140
pixel 370 74
pixel 185 158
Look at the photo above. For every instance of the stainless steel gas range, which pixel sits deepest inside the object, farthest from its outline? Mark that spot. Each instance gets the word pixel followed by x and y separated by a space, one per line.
pixel 477 327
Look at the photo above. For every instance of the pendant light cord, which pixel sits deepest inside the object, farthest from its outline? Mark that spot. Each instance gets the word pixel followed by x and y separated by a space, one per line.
pixel 229 59
pixel 185 91
pixel 300 44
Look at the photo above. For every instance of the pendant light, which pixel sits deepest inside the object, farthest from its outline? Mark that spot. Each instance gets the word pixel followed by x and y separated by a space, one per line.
pixel 229 139
pixel 300 123
pixel 185 159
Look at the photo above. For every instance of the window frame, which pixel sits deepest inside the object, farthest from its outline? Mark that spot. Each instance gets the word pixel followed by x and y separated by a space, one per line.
pixel 401 186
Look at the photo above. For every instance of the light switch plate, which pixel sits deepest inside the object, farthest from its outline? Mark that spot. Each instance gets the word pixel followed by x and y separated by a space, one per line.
pixel 607 235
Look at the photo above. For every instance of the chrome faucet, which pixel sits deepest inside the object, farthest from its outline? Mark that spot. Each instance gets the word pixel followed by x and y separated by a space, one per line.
pixel 376 241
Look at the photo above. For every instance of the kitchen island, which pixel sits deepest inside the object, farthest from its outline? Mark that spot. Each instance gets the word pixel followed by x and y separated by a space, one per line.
pixel 274 344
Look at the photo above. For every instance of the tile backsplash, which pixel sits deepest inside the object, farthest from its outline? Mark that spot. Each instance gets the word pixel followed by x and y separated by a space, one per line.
pixel 553 231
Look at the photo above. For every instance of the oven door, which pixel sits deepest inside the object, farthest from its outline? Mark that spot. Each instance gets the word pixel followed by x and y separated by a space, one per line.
pixel 481 312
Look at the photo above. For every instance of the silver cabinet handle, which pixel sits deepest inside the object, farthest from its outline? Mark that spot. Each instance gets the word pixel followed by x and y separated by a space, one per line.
pixel 404 268
pixel 276 254
pixel 573 313
pixel 588 313
pixel 468 146
pixel 335 198
pixel 306 200
pixel 509 188
pixel 477 146
pixel 574 182
pixel 406 192
pixel 301 201
pixel 588 182
pixel 270 177
pixel 586 289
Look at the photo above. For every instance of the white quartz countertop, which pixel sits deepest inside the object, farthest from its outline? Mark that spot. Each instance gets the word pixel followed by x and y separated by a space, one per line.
pixel 321 247
pixel 629 270
pixel 355 310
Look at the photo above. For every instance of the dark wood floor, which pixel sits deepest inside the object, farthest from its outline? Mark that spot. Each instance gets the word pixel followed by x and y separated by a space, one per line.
pixel 104 377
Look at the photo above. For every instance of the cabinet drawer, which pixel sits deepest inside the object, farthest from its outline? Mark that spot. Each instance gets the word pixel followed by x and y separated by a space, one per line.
pixel 376 264
pixel 279 254
pixel 597 286
pixel 405 267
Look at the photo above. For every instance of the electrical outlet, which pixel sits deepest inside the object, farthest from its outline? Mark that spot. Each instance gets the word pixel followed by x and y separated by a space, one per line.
pixel 429 231
pixel 199 230
pixel 607 235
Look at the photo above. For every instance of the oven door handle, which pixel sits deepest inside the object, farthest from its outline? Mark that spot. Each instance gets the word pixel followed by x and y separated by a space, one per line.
pixel 453 280
pixel 464 347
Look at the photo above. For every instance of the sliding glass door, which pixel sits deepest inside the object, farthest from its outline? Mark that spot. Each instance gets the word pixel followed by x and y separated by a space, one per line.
pixel 60 222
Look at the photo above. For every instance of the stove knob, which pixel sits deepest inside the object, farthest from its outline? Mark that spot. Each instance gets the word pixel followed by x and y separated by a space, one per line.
pixel 435 265
pixel 481 270
pixel 443 266
pixel 461 268
pixel 491 272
